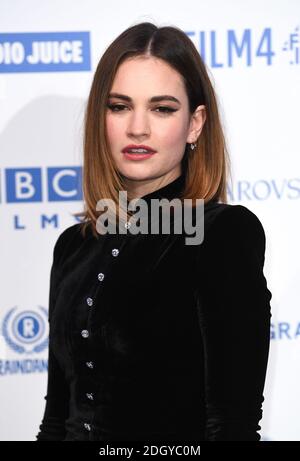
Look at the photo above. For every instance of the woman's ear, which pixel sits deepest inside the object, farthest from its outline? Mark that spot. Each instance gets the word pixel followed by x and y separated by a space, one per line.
pixel 196 124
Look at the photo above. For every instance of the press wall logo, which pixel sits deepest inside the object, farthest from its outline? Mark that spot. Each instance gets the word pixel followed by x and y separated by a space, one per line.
pixel 39 185
pixel 54 184
pixel 247 47
pixel 287 331
pixel 45 52
pixel 264 189
pixel 25 332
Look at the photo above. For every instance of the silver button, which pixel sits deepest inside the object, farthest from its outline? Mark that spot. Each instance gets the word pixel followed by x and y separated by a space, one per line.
pixel 90 396
pixel 127 224
pixel 89 301
pixel 100 277
pixel 115 252
pixel 87 426
pixel 85 334
pixel 89 364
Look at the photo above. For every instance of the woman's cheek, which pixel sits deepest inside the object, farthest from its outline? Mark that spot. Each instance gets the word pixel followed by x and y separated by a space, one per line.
pixel 111 128
pixel 174 137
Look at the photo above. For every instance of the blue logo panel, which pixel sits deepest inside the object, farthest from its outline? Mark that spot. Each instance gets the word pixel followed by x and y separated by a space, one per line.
pixel 64 184
pixel 23 185
pixel 25 331
pixel 45 52
pixel 28 327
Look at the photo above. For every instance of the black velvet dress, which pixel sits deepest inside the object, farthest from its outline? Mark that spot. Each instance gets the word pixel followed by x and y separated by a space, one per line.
pixel 152 339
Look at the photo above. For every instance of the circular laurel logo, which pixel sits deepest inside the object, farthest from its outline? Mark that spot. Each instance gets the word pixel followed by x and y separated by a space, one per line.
pixel 26 332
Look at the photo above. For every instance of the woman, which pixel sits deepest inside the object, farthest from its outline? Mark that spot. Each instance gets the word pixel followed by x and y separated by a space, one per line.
pixel 150 338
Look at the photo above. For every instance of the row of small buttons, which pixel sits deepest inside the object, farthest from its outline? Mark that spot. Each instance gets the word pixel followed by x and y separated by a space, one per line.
pixel 89 301
pixel 85 334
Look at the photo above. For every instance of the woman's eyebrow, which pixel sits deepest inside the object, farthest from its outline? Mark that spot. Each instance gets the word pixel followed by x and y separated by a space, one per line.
pixel 164 97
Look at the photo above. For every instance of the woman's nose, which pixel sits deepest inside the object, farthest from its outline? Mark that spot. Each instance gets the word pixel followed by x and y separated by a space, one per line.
pixel 138 123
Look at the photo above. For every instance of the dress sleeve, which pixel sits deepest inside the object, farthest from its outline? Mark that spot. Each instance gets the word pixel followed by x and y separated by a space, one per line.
pixel 234 315
pixel 57 398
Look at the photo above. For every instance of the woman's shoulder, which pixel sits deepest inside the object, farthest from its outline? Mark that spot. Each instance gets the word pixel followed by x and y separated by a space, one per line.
pixel 229 211
pixel 232 222
pixel 69 240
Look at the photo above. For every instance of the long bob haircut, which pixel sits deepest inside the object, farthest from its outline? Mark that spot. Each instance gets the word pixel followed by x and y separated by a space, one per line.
pixel 205 168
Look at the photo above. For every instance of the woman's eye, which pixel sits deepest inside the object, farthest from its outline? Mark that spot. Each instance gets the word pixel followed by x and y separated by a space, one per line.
pixel 166 110
pixel 161 109
pixel 115 107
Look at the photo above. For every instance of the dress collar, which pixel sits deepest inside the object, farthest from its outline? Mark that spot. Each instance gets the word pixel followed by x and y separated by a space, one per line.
pixel 173 190
pixel 170 191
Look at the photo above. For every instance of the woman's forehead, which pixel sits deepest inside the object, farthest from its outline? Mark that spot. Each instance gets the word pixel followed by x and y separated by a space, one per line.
pixel 150 77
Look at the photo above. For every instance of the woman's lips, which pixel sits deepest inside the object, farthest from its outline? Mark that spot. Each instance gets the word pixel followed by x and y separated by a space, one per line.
pixel 133 156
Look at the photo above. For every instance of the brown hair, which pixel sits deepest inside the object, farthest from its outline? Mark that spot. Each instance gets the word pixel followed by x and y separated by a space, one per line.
pixel 205 168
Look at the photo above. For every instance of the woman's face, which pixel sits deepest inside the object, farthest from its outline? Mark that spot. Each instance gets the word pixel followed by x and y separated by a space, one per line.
pixel 163 125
